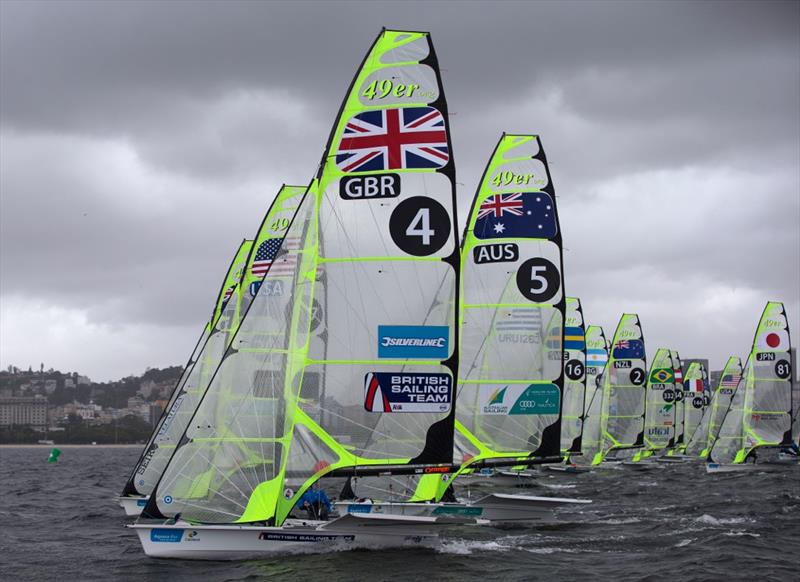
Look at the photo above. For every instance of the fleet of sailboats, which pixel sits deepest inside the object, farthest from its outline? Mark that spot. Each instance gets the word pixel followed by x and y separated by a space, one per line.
pixel 360 349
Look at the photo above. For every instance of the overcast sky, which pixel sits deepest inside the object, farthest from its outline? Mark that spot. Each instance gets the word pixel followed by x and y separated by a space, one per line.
pixel 140 142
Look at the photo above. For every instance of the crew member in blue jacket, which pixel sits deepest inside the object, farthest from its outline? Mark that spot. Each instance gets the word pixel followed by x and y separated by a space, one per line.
pixel 316 503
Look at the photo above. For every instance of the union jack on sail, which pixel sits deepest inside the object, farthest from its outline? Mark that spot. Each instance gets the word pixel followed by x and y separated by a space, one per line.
pixel 393 139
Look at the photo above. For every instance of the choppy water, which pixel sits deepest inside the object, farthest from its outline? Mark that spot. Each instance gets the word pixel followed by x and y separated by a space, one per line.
pixel 675 523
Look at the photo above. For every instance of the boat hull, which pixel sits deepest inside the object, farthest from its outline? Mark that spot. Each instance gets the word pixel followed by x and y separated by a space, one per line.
pixel 132 505
pixel 236 542
pixel 491 509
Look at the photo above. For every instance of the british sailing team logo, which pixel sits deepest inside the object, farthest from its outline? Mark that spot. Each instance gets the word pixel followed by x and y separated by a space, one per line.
pixel 397 392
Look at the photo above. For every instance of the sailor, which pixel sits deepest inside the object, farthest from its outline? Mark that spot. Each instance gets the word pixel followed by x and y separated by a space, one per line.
pixel 315 502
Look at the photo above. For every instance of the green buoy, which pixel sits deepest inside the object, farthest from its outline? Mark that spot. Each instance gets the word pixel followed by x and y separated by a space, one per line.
pixel 54 453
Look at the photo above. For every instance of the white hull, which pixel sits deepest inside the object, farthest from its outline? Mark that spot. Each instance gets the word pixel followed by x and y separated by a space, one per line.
pixel 132 505
pixel 235 542
pixel 641 465
pixel 740 468
pixel 495 509
pixel 569 469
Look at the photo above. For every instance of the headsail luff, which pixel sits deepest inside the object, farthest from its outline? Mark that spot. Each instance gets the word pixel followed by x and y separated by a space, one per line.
pixel 573 409
pixel 695 400
pixel 227 289
pixel 659 423
pixel 377 240
pixel 624 383
pixel 760 414
pixel 238 290
pixel 596 359
pixel 721 401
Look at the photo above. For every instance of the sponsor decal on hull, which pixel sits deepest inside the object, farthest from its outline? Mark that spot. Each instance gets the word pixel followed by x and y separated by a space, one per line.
pixel 308 538
pixel 162 535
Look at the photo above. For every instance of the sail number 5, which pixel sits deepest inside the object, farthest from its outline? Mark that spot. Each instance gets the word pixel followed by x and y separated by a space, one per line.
pixel 538 280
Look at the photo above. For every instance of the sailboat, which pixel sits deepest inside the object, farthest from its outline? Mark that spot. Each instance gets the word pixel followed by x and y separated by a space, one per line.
pixel 133 499
pixel 596 357
pixel 574 379
pixel 241 285
pixel 759 419
pixel 624 384
pixel 659 423
pixel 677 442
pixel 512 325
pixel 698 444
pixel 358 378
pixel 696 400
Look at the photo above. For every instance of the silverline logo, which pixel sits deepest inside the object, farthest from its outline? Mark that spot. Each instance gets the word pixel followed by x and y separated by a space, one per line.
pixel 436 342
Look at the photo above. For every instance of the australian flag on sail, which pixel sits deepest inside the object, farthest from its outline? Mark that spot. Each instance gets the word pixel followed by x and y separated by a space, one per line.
pixel 393 139
pixel 632 349
pixel 516 215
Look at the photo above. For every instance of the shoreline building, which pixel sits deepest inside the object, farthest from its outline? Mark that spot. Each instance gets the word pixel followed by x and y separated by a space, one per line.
pixel 24 411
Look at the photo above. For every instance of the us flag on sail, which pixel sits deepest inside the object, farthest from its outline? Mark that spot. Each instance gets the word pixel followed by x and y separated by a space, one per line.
pixel 265 260
pixel 393 139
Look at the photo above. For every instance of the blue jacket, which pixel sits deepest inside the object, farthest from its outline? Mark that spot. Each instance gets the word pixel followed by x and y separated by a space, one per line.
pixel 313 496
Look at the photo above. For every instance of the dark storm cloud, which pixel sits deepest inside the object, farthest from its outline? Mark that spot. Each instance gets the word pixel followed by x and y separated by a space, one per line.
pixel 141 141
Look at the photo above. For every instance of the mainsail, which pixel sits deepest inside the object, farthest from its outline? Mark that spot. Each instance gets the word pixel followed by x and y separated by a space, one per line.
pixel 134 486
pixel 695 400
pixel 659 418
pixel 238 290
pixel 728 382
pixel 357 374
pixel 760 414
pixel 573 409
pixel 596 359
pixel 622 419
pixel 512 316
